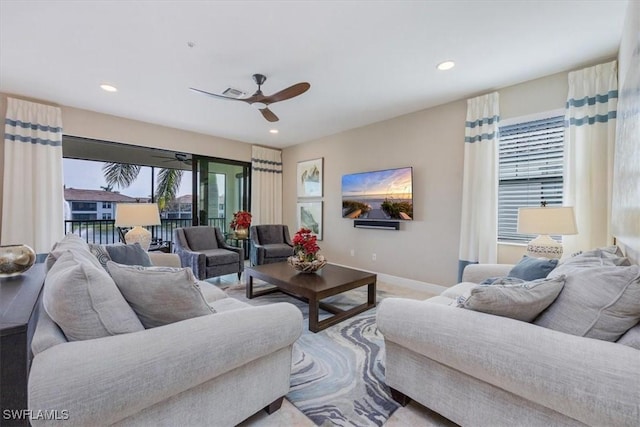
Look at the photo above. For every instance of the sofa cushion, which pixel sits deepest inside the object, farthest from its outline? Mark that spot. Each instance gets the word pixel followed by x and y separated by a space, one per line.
pixel 130 254
pixel 211 292
pixel 160 295
pixel 228 304
pixel 597 302
pixel 200 238
pixel 84 301
pixel 529 268
pixel 460 289
pixel 521 301
pixel 277 250
pixel 631 337
pixel 220 256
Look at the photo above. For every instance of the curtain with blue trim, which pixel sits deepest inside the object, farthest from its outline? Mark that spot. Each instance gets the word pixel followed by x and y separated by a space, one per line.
pixel 33 188
pixel 266 186
pixel 590 125
pixel 478 229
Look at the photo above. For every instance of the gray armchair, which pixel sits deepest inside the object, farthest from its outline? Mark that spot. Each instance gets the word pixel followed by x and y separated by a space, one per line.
pixel 204 250
pixel 269 243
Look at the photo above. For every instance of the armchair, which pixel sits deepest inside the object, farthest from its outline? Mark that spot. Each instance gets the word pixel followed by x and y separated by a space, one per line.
pixel 204 250
pixel 269 243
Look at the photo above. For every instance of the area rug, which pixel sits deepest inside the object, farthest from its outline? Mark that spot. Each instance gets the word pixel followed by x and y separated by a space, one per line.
pixel 337 376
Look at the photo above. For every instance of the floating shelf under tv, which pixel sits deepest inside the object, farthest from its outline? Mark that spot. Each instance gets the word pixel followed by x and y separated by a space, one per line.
pixel 380 225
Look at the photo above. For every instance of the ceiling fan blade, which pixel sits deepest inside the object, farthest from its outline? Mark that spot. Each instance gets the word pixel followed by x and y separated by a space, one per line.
pixel 288 93
pixel 269 115
pixel 221 96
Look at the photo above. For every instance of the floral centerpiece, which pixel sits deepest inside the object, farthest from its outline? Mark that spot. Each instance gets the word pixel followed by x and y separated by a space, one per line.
pixel 305 252
pixel 240 223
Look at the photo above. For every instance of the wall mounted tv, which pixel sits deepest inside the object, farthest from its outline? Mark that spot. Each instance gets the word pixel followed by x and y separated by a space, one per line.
pixel 384 195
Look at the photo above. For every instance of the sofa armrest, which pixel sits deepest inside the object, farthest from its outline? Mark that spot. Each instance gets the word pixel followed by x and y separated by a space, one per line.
pixel 476 273
pixel 111 378
pixel 165 260
pixel 592 381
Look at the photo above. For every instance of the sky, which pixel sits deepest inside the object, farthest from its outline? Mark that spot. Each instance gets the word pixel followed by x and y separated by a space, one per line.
pixel 385 182
pixel 87 175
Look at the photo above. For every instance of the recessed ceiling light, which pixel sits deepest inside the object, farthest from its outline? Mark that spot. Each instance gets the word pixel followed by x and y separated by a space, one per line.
pixel 108 88
pixel 274 131
pixel 446 65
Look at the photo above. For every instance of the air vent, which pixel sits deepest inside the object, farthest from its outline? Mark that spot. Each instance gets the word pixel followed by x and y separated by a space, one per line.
pixel 233 93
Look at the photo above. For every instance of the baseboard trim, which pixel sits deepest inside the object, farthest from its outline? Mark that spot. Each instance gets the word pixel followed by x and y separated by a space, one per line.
pixel 415 285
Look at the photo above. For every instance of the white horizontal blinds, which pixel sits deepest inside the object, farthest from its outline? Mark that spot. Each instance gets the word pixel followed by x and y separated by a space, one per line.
pixel 530 171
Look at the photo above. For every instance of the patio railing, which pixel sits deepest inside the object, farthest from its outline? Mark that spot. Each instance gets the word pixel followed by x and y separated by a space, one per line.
pixel 103 231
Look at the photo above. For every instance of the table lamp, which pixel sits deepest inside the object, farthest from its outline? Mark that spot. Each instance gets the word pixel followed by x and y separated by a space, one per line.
pixel 545 220
pixel 137 215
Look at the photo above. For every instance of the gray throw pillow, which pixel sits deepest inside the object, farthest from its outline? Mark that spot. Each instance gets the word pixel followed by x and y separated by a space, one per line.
pixel 84 301
pixel 160 295
pixel 529 268
pixel 521 301
pixel 132 254
pixel 598 302
pixel 586 260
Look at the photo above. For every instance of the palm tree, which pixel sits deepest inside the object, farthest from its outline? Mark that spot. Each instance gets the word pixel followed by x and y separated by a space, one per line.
pixel 123 175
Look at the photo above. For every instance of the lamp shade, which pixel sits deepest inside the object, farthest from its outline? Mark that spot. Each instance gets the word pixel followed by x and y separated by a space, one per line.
pixel 133 214
pixel 547 220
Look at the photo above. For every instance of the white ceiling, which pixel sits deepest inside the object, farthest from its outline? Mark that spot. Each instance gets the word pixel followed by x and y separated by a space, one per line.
pixel 366 61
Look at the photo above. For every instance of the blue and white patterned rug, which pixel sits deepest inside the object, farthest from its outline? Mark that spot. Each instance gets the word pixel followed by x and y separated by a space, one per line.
pixel 337 376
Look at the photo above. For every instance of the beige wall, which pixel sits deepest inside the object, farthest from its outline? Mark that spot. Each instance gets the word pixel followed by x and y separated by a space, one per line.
pixel 430 141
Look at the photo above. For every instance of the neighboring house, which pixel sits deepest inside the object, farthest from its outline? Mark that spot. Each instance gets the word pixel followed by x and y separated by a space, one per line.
pixel 179 208
pixel 95 204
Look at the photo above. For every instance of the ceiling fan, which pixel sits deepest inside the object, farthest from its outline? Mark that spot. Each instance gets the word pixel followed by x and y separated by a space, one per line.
pixel 179 157
pixel 261 101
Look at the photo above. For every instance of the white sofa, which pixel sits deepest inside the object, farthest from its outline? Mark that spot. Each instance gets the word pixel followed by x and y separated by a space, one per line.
pixel 212 370
pixel 478 369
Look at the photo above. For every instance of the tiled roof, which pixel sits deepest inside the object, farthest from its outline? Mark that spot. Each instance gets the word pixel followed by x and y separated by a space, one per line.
pixel 187 198
pixel 80 195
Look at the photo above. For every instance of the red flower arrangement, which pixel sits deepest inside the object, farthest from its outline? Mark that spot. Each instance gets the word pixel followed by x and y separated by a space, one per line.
pixel 241 219
pixel 305 245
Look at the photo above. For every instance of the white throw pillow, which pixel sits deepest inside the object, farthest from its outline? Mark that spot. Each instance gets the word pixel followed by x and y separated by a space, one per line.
pixel 160 295
pixel 521 301
pixel 597 302
pixel 84 301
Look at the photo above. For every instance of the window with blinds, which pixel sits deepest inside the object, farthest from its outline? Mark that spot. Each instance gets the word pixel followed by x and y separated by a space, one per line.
pixel 530 171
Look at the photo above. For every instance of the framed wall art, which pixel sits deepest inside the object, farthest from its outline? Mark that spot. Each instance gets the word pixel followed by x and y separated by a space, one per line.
pixel 309 176
pixel 310 216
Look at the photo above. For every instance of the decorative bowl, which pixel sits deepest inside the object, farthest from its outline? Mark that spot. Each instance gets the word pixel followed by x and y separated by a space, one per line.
pixel 307 266
pixel 15 259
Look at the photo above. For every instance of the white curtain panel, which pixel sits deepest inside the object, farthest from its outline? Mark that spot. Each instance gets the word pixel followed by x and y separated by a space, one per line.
pixel 478 230
pixel 33 188
pixel 266 186
pixel 590 124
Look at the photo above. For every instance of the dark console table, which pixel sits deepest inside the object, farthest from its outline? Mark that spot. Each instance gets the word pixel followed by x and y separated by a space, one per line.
pixel 18 314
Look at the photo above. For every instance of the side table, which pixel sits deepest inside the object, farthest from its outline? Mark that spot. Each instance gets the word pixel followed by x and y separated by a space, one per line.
pixel 19 298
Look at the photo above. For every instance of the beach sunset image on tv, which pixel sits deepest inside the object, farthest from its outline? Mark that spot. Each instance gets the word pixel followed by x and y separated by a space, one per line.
pixel 378 195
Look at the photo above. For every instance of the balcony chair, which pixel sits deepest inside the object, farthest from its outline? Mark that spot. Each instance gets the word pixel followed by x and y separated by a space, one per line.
pixel 204 249
pixel 269 243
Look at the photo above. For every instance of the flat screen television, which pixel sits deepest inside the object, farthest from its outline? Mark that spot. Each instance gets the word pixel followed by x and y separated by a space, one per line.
pixel 384 195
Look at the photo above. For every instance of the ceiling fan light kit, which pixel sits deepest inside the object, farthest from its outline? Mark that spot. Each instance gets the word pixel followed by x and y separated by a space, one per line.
pixel 258 100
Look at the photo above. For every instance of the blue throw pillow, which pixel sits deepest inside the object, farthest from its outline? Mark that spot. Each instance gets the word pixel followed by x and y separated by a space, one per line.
pixel 129 254
pixel 533 268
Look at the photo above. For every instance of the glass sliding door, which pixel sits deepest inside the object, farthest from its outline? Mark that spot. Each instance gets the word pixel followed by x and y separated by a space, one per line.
pixel 220 188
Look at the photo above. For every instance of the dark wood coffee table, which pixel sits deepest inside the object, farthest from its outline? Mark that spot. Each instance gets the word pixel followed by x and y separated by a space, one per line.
pixel 312 288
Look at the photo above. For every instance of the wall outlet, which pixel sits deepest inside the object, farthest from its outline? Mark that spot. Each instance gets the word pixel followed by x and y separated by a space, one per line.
pixel 373 257
pixel 353 252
